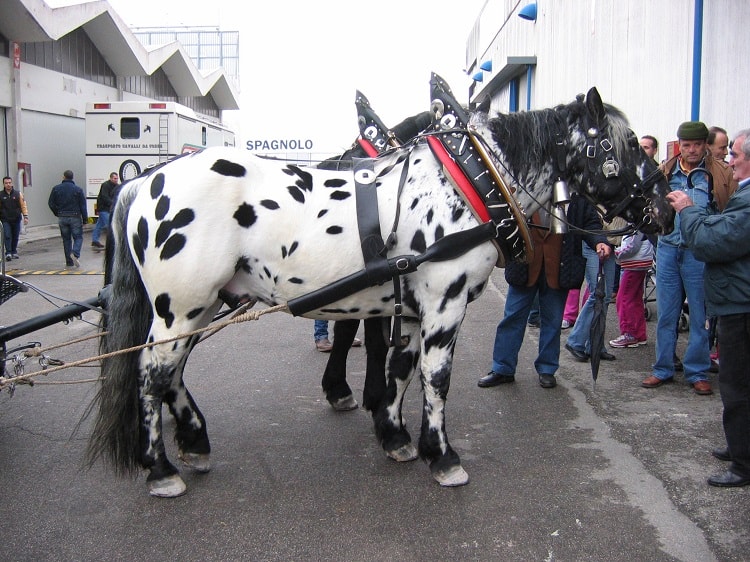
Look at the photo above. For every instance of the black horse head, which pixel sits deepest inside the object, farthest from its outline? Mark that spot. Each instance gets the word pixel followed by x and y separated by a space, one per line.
pixel 590 146
pixel 616 172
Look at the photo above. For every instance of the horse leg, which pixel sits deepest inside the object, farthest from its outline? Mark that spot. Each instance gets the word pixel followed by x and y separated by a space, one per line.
pixel 377 351
pixel 191 434
pixel 437 360
pixel 389 424
pixel 337 391
pixel 155 382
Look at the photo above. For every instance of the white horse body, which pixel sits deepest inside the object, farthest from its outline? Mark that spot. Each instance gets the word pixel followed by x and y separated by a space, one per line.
pixel 293 252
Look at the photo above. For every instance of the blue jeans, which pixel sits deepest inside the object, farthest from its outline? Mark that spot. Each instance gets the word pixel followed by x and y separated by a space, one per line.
pixel 11 231
pixel 101 223
pixel 71 231
pixel 511 329
pixel 321 330
pixel 579 338
pixel 677 269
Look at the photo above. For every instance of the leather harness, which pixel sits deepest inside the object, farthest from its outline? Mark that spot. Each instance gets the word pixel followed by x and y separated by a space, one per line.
pixel 462 156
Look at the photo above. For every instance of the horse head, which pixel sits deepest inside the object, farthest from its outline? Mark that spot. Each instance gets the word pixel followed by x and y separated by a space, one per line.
pixel 615 172
pixel 588 145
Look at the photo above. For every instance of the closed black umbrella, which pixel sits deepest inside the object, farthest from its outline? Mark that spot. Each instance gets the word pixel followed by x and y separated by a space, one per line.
pixel 598 324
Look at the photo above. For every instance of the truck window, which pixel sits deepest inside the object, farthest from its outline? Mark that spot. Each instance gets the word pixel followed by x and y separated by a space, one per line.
pixel 130 128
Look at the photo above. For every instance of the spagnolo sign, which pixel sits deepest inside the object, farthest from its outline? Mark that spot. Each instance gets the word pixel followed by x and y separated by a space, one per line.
pixel 265 145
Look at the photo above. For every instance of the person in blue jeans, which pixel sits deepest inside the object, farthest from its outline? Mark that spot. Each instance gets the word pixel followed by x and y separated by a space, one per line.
pixel 68 203
pixel 543 279
pixel 104 202
pixel 677 269
pixel 579 343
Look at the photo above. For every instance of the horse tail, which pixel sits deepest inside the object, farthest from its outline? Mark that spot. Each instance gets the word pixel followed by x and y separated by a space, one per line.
pixel 116 426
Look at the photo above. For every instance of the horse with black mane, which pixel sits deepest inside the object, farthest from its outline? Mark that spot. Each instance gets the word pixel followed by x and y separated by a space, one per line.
pixel 279 226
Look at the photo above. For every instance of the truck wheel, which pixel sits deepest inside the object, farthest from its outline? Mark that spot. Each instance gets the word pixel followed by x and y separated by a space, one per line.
pixel 129 169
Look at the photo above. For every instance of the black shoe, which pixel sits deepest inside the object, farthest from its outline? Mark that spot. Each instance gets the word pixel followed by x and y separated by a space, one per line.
pixel 579 356
pixel 533 323
pixel 607 356
pixel 722 454
pixel 8 257
pixel 493 379
pixel 547 381
pixel 728 479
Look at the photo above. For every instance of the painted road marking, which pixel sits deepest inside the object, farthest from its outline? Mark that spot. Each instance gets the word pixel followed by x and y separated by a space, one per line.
pixel 20 272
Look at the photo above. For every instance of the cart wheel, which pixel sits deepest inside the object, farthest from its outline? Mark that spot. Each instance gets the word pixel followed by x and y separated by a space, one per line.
pixel 647 312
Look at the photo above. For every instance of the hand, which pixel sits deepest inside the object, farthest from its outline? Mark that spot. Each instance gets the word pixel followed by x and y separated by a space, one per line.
pixel 679 200
pixel 603 251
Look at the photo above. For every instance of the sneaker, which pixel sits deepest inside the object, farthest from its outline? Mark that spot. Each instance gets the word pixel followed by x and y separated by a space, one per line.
pixel 75 261
pixel 16 256
pixel 8 257
pixel 626 340
pixel 565 325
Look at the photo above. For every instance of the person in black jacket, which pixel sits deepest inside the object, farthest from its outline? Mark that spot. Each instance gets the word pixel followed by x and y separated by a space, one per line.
pixel 12 211
pixel 104 202
pixel 556 267
pixel 68 203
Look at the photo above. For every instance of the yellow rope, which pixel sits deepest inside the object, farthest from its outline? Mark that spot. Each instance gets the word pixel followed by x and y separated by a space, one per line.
pixel 244 317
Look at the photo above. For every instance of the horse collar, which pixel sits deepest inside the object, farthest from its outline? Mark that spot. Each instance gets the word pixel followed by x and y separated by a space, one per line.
pixel 470 168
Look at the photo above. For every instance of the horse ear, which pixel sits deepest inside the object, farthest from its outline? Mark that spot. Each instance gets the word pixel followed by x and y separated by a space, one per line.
pixel 595 105
pixel 484 106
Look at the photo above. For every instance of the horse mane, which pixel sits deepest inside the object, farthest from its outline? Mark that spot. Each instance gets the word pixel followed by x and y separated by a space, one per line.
pixel 527 138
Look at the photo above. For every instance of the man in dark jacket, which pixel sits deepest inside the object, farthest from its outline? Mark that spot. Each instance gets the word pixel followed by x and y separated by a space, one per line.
pixel 543 276
pixel 12 211
pixel 719 239
pixel 104 201
pixel 68 203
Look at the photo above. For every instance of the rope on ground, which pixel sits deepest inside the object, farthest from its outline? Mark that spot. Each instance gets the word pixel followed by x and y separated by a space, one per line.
pixel 243 317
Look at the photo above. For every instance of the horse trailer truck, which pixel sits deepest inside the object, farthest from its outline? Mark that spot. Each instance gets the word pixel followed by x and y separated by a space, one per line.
pixel 129 136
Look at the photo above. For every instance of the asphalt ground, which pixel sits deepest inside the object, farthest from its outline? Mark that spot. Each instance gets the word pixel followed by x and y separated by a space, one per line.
pixel 610 471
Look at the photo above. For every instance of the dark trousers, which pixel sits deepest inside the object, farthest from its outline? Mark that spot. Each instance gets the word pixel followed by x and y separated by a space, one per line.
pixel 734 383
pixel 11 231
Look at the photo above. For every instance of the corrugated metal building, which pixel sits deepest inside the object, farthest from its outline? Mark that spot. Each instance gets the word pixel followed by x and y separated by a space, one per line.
pixel 661 62
pixel 54 61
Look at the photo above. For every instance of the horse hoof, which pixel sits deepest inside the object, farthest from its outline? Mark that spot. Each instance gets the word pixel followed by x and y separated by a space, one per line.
pixel 344 404
pixel 197 461
pixel 169 487
pixel 454 476
pixel 404 453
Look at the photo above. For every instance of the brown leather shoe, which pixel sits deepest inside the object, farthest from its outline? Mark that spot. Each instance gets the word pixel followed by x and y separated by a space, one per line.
pixel 703 388
pixel 324 345
pixel 653 382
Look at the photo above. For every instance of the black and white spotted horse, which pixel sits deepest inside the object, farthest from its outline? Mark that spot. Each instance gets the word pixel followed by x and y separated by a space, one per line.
pixel 223 222
pixel 375 138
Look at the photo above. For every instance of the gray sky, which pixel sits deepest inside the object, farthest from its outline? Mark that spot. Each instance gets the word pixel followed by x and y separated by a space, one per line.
pixel 301 61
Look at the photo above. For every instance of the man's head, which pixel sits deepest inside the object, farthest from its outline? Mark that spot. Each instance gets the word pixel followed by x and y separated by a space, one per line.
pixel 739 155
pixel 718 142
pixel 113 177
pixel 650 145
pixel 691 137
pixel 7 183
pixel 68 174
